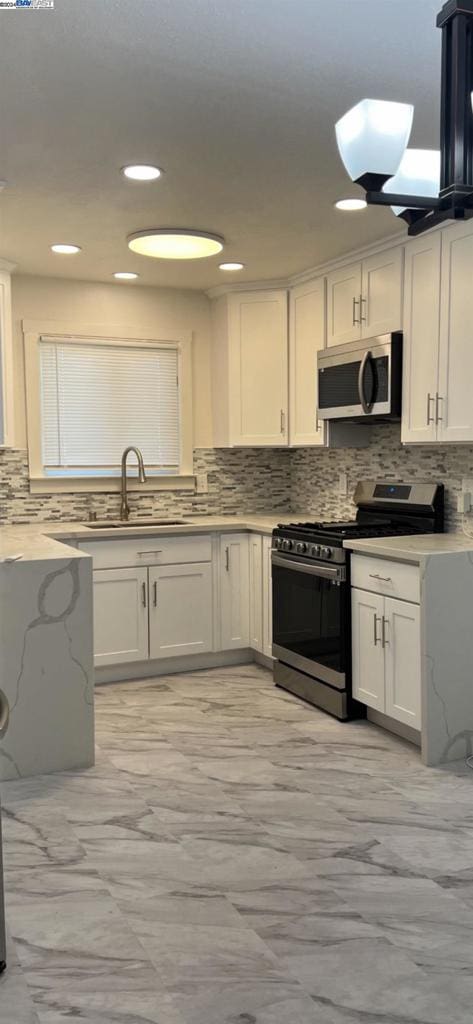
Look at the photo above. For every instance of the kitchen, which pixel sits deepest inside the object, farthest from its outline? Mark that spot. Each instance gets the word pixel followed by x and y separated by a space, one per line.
pixel 224 468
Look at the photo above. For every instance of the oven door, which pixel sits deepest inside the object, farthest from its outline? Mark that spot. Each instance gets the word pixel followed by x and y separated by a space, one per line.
pixel 310 618
pixel 355 385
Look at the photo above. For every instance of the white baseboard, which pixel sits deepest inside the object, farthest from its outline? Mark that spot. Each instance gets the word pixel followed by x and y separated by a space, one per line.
pixel 169 666
pixel 406 732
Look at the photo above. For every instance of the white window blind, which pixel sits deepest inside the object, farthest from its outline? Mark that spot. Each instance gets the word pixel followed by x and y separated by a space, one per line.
pixel 96 399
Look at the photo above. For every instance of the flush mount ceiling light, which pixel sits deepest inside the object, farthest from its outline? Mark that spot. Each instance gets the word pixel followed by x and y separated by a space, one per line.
pixel 175 243
pixel 372 138
pixel 65 249
pixel 142 172
pixel 231 266
pixel 125 275
pixel 351 204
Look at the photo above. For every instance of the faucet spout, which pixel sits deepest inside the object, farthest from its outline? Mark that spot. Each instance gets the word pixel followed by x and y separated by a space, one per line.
pixel 124 506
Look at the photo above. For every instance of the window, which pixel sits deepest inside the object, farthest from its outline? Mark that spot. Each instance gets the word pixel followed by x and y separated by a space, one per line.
pixel 91 397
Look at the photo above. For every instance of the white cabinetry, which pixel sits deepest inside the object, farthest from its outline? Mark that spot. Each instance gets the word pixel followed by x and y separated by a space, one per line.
pixel 455 419
pixel 120 615
pixel 256 591
pixel 365 298
pixel 306 338
pixel 386 658
pixel 234 591
pixel 249 369
pixel 181 610
pixel 261 610
pixel 421 338
pixel 6 363
pixel 267 599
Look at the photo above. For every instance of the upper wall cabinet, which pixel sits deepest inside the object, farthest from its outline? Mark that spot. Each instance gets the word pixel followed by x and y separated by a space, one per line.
pixel 420 406
pixel 365 298
pixel 249 368
pixel 6 363
pixel 306 337
pixel 454 404
pixel 438 348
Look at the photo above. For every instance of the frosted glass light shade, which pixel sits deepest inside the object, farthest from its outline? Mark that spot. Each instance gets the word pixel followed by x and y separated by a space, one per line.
pixel 175 243
pixel 372 137
pixel 418 175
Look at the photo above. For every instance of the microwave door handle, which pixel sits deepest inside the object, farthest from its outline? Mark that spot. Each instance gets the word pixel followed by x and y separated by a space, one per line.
pixel 365 405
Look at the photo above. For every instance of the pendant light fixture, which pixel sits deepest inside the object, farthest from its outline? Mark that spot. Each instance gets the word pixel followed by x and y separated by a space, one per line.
pixel 423 187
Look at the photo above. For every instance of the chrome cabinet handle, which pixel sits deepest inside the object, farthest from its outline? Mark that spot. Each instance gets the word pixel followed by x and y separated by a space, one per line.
pixel 283 421
pixel 227 559
pixel 155 594
pixel 362 318
pixel 438 399
pixel 317 421
pixel 143 554
pixel 375 629
pixel 4 713
pixel 143 594
pixel 355 304
pixel 430 419
pixel 384 642
pixel 376 576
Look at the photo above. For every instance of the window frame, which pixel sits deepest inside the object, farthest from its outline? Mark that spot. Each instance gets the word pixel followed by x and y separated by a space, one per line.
pixel 42 483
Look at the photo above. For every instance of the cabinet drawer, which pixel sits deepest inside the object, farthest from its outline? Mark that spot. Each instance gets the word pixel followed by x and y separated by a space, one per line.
pixel 381 576
pixel 108 554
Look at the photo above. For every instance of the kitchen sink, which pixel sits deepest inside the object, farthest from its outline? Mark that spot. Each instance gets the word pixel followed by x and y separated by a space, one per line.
pixel 117 524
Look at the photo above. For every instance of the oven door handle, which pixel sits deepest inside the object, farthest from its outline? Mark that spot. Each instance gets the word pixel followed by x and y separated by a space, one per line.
pixel 365 405
pixel 327 572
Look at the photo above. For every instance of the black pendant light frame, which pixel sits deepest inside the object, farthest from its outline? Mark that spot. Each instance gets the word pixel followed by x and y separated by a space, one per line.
pixel 455 200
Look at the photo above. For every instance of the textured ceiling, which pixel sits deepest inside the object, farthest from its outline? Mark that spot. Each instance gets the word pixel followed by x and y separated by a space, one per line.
pixel 235 99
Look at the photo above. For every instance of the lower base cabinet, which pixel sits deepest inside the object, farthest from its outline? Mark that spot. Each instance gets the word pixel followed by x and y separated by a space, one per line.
pixel 120 616
pixel 267 599
pixel 234 591
pixel 180 610
pixel 261 618
pixel 386 661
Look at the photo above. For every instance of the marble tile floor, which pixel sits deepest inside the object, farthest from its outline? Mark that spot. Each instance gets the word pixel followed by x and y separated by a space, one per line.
pixel 237 857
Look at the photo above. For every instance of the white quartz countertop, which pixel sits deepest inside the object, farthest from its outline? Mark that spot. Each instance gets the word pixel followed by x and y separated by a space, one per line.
pixel 416 548
pixel 49 540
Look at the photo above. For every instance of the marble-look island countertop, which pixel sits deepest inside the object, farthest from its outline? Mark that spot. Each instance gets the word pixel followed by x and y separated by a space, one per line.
pixel 415 549
pixel 49 540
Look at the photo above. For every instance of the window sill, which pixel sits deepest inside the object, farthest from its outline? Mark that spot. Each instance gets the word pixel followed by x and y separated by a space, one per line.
pixel 111 485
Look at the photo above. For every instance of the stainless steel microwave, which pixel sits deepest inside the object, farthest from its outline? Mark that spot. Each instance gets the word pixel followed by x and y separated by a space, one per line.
pixel 361 380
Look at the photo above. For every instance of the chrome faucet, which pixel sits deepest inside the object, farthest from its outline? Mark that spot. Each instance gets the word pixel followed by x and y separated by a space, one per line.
pixel 124 506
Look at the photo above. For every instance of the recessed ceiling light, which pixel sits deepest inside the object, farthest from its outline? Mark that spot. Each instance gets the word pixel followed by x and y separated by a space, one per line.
pixel 351 204
pixel 142 172
pixel 231 266
pixel 125 275
pixel 175 243
pixel 65 249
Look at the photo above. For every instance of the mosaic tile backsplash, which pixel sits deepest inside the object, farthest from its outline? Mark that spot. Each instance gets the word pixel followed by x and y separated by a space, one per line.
pixel 243 480
pixel 256 480
pixel 315 472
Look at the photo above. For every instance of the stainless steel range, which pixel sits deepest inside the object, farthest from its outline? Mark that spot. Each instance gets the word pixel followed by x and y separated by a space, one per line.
pixel 311 588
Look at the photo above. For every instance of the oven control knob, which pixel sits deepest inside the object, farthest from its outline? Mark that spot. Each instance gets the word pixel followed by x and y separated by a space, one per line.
pixel 277 543
pixel 326 552
pixel 316 550
pixel 286 545
pixel 301 548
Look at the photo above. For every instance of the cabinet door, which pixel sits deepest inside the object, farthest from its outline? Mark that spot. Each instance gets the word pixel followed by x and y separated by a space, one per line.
pixel 421 338
pixel 381 303
pixel 234 591
pixel 6 363
pixel 402 661
pixel 181 609
pixel 343 304
pixel 258 375
pixel 256 591
pixel 267 599
pixel 367 651
pixel 456 333
pixel 306 337
pixel 120 616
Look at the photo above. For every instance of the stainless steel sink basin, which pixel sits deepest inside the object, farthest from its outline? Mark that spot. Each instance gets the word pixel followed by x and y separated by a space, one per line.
pixel 135 524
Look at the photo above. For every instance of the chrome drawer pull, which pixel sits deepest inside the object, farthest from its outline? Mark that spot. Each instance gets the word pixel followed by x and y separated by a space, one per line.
pixel 383 579
pixel 384 642
pixel 143 594
pixel 375 629
pixel 430 419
